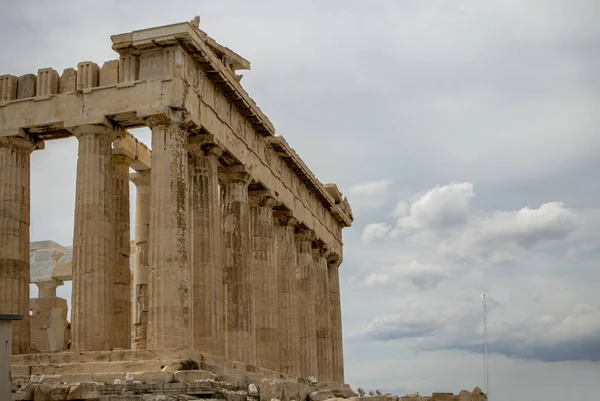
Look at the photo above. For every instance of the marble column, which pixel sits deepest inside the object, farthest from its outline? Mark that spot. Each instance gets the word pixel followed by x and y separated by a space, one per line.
pixel 169 275
pixel 141 179
pixel 121 337
pixel 287 304
pixel 208 334
pixel 49 324
pixel 305 276
pixel 47 288
pixel 335 319
pixel 264 280
pixel 15 155
pixel 93 241
pixel 324 350
pixel 239 299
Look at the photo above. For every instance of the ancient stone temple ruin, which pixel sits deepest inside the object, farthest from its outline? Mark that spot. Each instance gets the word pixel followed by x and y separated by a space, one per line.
pixel 234 280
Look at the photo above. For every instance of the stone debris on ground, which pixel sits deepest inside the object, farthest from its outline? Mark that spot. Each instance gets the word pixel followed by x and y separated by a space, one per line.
pixel 200 384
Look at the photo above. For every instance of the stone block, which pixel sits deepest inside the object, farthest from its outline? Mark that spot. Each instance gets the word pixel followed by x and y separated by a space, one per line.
pixel 27 86
pixel 175 388
pixel 270 388
pixel 18 396
pixel 59 392
pixel 235 395
pixel 292 390
pixel 87 75
pixel 154 377
pixel 338 390
pixel 109 73
pixel 68 80
pixel 203 389
pixel 48 82
pixel 28 391
pixel 129 68
pixel 8 88
pixel 83 391
pixel 20 370
pixel 321 395
pixel 238 382
pixel 188 376
pixel 158 397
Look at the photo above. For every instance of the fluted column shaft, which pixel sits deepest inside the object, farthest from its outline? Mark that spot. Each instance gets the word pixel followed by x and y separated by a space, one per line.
pixel 287 304
pixel 239 300
pixel 14 236
pixel 324 350
pixel 306 307
pixel 141 179
pixel 121 337
pixel 264 280
pixel 93 241
pixel 335 319
pixel 168 276
pixel 206 272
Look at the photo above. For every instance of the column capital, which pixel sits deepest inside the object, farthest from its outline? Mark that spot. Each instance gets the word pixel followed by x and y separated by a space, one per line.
pixel 305 234
pixel 80 131
pixel 23 141
pixel 235 173
pixel 49 282
pixel 262 198
pixel 165 116
pixel 322 251
pixel 122 158
pixel 284 218
pixel 334 260
pixel 204 144
pixel 141 177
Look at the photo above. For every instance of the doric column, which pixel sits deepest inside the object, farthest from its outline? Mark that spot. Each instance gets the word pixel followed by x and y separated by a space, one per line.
pixel 15 155
pixel 205 247
pixel 305 277
pixel 47 288
pixel 93 241
pixel 264 280
pixel 168 276
pixel 335 319
pixel 324 351
pixel 121 333
pixel 49 331
pixel 141 179
pixel 239 300
pixel 287 304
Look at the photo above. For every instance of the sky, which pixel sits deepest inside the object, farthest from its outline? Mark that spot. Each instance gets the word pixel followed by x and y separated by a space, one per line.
pixel 466 136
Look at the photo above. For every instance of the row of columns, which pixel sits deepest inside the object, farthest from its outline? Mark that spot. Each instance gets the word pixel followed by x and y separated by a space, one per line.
pixel 218 271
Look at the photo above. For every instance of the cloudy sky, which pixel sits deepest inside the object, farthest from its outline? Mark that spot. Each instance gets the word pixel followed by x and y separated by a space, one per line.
pixel 466 135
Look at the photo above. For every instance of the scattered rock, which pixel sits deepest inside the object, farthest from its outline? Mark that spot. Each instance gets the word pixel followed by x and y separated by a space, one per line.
pixel 321 395
pixel 189 376
pixel 159 397
pixel 311 380
pixel 252 390
pixel 361 392
pixel 83 391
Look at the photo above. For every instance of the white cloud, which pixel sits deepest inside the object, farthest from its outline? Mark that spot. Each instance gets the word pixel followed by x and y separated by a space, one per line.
pixel 376 231
pixel 440 208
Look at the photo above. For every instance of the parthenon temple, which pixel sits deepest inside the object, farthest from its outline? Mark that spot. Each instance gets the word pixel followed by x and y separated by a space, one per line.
pixel 237 244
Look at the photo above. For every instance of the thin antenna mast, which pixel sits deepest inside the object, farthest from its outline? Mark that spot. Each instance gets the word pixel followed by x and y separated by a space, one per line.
pixel 486 372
